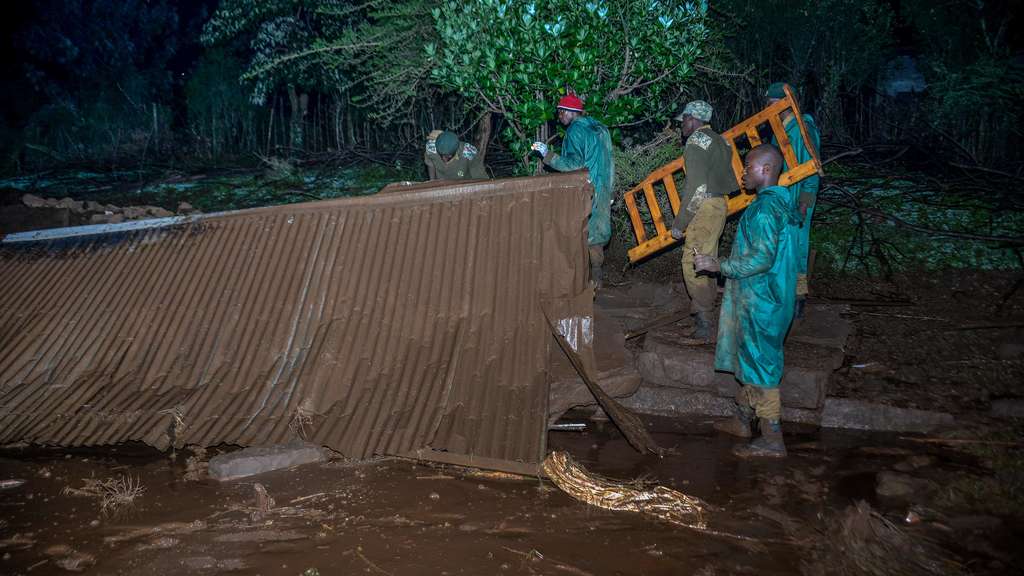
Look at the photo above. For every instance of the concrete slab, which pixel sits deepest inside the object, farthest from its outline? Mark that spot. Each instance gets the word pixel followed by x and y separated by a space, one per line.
pixel 664 401
pixel 823 325
pixel 260 459
pixel 669 401
pixel 860 415
pixel 1008 408
pixel 666 362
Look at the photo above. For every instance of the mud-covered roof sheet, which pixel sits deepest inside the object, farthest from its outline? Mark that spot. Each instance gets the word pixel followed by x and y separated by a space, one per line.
pixel 393 324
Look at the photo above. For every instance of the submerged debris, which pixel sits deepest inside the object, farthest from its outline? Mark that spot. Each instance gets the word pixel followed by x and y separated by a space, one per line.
pixel 861 542
pixel 114 494
pixel 660 501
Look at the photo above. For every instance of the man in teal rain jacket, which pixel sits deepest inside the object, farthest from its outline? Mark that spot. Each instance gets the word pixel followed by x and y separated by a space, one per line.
pixel 805 191
pixel 587 145
pixel 757 308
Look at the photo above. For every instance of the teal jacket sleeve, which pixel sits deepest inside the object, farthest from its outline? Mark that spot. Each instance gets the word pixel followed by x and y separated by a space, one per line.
pixel 572 156
pixel 762 230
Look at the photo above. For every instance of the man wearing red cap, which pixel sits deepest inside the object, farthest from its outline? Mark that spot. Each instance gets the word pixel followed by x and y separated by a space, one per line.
pixel 587 145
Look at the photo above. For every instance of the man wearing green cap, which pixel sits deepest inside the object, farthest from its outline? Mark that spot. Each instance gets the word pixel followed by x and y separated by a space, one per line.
pixel 449 159
pixel 587 144
pixel 805 192
pixel 702 210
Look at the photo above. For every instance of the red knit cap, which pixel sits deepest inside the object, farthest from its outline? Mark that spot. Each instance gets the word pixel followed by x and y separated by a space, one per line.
pixel 571 102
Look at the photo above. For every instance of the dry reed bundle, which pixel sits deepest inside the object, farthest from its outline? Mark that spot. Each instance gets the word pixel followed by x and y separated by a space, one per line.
pixel 659 501
pixel 861 542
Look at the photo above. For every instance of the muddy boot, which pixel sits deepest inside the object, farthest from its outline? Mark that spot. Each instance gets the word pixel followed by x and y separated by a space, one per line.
pixel 769 445
pixel 597 277
pixel 702 332
pixel 739 424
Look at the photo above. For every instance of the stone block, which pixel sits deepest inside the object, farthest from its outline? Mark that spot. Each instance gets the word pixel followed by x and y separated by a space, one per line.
pixel 1008 408
pixel 822 325
pixel 260 459
pixel 158 212
pixel 859 415
pixel 572 393
pixel 135 213
pixel 664 362
pixel 33 201
pixel 666 401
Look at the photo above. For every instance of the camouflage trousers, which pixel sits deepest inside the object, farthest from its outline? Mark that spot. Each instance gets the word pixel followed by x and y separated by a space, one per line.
pixel 703 233
pixel 766 402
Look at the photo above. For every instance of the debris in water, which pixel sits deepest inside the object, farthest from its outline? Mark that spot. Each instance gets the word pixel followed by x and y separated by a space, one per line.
pixel 861 542
pixel 660 501
pixel 11 484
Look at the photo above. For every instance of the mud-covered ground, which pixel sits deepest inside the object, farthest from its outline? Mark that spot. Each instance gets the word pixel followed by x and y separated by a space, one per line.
pixel 951 341
pixel 398 517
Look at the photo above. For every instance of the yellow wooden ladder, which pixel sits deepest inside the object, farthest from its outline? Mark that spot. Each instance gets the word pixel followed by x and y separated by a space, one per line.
pixel 666 176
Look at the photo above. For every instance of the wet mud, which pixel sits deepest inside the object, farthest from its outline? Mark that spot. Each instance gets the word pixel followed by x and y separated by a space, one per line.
pixel 400 517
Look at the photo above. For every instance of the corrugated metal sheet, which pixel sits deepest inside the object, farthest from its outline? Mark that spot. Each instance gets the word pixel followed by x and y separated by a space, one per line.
pixel 378 325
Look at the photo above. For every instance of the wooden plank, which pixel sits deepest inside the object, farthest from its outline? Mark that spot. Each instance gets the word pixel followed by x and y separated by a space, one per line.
pixel 797 174
pixel 470 461
pixel 666 170
pixel 738 202
pixel 651 246
pixel 673 194
pixel 753 136
pixel 784 144
pixel 808 143
pixel 634 217
pixel 737 166
pixel 757 119
pixel 652 205
pixel 748 127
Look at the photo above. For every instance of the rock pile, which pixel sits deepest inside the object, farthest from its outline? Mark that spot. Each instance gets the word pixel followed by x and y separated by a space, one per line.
pixel 92 212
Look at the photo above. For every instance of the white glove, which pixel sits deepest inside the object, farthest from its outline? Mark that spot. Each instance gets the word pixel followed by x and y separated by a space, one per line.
pixel 540 147
pixel 432 141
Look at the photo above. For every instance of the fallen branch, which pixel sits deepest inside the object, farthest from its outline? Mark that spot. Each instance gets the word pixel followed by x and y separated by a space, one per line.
pixel 1014 240
pixel 371 564
pixel 843 155
pixel 963 441
pixel 657 322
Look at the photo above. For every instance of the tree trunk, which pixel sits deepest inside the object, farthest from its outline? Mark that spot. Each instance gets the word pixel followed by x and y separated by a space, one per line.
pixel 483 138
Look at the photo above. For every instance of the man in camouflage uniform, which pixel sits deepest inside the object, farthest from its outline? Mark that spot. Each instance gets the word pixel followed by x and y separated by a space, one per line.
pixel 702 210
pixel 805 192
pixel 449 159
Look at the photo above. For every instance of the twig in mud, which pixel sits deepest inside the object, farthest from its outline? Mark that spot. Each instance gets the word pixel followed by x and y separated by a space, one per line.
pixel 310 497
pixel 908 316
pixel 1004 326
pixel 36 565
pixel 658 322
pixel 535 555
pixel 436 477
pixel 371 564
pixel 963 441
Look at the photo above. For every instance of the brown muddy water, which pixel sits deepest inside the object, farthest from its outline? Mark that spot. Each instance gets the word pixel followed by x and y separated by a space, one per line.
pixel 399 517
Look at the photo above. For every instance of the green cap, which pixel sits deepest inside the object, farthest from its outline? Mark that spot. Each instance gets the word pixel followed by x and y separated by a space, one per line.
pixel 447 143
pixel 699 109
pixel 776 90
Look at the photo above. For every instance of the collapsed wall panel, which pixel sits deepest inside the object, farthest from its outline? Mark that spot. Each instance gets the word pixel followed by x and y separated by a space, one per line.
pixel 397 323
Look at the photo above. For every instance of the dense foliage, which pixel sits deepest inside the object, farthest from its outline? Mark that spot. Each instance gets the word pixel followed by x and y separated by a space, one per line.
pixel 102 69
pixel 628 59
pixel 291 77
